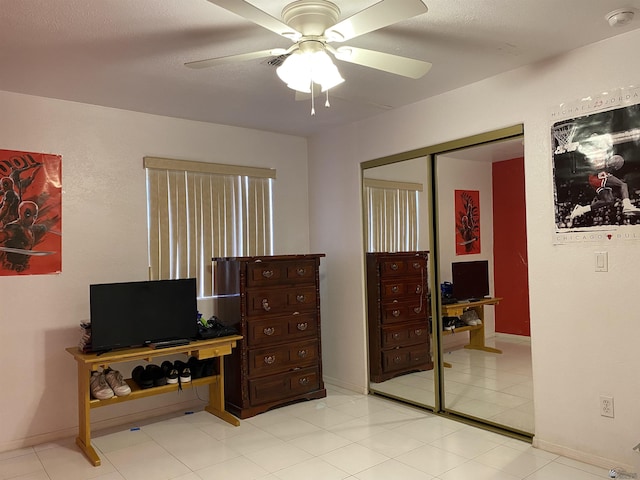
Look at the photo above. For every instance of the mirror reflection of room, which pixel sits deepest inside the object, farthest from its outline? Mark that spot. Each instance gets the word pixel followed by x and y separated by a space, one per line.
pixel 398 262
pixel 484 290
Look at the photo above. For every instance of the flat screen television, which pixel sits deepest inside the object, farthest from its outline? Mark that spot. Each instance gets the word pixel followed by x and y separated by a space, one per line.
pixel 470 279
pixel 131 314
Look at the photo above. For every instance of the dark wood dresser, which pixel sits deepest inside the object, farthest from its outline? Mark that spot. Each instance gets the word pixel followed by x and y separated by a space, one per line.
pixel 398 314
pixel 274 303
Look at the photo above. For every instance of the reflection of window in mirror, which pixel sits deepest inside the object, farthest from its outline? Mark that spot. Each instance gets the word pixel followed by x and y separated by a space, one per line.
pixel 394 202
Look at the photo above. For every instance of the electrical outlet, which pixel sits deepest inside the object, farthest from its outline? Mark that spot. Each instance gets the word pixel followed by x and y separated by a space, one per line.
pixel 606 406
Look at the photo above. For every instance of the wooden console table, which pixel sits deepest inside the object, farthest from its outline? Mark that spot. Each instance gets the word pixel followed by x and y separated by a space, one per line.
pixel 90 362
pixel 476 332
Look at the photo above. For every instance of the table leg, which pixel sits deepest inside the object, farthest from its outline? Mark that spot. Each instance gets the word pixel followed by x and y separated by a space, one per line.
pixel 216 397
pixel 476 336
pixel 83 440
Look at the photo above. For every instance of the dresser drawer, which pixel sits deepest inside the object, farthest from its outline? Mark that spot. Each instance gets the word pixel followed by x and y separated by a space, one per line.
pixel 262 274
pixel 281 301
pixel 267 361
pixel 284 385
pixel 405 358
pixel 403 311
pixel 396 288
pixel 403 335
pixel 403 266
pixel 269 331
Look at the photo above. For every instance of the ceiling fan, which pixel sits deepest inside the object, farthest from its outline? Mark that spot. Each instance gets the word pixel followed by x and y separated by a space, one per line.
pixel 313 25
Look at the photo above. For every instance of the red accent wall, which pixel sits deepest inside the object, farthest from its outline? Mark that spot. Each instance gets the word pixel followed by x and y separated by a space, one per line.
pixel 510 248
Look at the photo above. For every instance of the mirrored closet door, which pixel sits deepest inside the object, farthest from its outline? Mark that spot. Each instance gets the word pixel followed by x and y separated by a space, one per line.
pixel 396 206
pixel 455 215
pixel 482 265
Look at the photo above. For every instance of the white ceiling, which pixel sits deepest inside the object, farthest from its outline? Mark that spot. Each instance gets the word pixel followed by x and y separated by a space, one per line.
pixel 130 54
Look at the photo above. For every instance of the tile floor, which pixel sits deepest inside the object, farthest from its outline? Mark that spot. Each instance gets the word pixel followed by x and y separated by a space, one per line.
pixel 343 436
pixel 490 386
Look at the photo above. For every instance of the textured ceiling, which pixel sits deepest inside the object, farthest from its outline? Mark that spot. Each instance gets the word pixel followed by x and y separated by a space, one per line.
pixel 130 54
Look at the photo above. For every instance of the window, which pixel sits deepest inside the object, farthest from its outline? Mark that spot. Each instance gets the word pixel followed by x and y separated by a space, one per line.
pixel 392 209
pixel 197 211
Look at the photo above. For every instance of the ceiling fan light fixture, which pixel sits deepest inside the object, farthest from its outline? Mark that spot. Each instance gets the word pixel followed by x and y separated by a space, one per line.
pixel 300 69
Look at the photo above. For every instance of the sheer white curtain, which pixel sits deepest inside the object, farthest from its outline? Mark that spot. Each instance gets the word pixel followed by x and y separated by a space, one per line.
pixel 392 211
pixel 197 211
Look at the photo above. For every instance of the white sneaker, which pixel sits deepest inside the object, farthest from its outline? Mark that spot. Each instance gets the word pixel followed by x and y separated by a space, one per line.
pixel 630 210
pixel 117 383
pixel 100 390
pixel 578 211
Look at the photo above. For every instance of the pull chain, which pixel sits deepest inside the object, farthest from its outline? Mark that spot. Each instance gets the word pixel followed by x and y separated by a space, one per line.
pixel 313 104
pixel 326 104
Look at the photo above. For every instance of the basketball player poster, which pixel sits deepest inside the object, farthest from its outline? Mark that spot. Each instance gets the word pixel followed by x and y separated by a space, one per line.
pixel 30 213
pixel 596 166
pixel 467 221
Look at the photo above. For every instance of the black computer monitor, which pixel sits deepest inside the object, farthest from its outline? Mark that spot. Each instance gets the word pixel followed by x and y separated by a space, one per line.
pixel 470 279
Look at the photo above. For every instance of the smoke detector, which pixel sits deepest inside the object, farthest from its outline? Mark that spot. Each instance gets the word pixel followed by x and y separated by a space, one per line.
pixel 620 17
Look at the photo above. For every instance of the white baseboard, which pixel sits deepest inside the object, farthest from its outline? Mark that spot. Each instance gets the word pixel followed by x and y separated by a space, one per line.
pixel 580 456
pixel 364 390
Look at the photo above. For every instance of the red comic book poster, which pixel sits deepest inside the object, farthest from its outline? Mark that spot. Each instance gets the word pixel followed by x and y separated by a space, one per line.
pixel 30 213
pixel 467 221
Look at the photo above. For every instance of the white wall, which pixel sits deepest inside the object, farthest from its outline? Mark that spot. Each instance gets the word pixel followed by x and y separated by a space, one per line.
pixel 105 240
pixel 584 324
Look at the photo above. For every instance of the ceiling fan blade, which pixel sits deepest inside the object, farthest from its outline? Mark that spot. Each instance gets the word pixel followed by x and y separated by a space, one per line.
pixel 407 67
pixel 379 15
pixel 257 16
pixel 212 62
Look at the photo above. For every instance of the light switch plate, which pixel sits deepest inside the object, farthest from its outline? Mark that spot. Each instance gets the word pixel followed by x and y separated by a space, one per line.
pixel 602 262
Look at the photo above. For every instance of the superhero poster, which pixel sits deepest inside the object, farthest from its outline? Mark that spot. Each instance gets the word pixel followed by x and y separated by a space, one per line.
pixel 467 221
pixel 30 213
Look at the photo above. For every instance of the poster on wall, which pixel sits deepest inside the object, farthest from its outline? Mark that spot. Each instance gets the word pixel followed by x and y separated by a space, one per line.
pixel 467 221
pixel 596 167
pixel 30 213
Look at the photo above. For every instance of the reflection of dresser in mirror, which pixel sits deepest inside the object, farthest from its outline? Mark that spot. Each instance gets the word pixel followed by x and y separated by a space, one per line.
pixel 398 314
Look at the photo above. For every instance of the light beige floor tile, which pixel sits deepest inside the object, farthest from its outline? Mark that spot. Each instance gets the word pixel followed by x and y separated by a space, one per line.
pixel 393 470
pixel 354 458
pixel 17 465
pixel 240 468
pixel 431 460
pixel 278 457
pixel 476 471
pixel 516 462
pixel 312 469
pixel 320 442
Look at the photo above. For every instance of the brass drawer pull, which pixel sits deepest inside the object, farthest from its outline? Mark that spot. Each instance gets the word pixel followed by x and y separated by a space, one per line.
pixel 394 266
pixel 267 273
pixel 396 336
pixel 395 289
pixel 302 353
pixel 301 271
pixel 302 326
pixel 270 359
pixel 265 305
pixel 418 332
pixel 417 309
pixel 300 298
pixel 419 289
pixel 397 359
pixel 396 313
pixel 303 381
pixel 416 265
pixel 269 331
